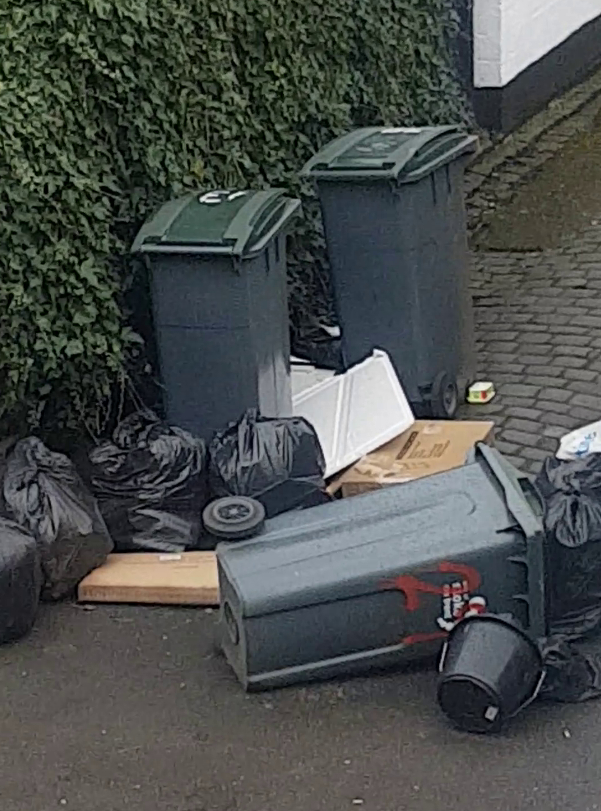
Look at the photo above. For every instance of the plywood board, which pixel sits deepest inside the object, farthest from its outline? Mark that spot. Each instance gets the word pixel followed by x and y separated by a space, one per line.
pixel 189 578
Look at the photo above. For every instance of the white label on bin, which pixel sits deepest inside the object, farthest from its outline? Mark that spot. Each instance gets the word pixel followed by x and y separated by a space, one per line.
pixel 491 713
pixel 404 130
pixel 169 556
pixel 214 198
pixel 458 604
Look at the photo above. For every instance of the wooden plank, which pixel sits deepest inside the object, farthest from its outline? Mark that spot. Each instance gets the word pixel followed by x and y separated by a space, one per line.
pixel 189 578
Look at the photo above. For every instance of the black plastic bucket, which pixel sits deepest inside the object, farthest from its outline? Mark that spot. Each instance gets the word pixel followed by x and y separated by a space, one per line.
pixel 490 670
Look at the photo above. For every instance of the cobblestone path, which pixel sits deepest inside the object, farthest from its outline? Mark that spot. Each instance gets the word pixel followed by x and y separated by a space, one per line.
pixel 538 330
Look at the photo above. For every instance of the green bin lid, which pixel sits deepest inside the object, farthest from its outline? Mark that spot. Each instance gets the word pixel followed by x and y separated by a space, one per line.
pixel 231 223
pixel 403 154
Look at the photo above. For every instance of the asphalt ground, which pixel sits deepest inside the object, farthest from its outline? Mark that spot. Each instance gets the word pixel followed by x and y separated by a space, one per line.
pixel 134 709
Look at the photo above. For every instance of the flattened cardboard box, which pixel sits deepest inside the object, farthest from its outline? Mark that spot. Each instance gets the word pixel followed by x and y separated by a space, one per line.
pixel 422 450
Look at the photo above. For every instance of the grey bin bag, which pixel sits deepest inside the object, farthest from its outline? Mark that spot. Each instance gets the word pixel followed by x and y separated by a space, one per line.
pixel 20 581
pixel 44 494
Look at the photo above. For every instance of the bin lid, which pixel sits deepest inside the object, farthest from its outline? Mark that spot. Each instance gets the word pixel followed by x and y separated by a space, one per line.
pixel 234 223
pixel 404 154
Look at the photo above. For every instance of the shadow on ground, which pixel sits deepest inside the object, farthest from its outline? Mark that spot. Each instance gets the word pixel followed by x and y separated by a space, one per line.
pixel 561 199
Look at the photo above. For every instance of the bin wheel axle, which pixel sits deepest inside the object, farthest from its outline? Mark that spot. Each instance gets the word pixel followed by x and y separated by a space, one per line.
pixel 234 518
pixel 444 397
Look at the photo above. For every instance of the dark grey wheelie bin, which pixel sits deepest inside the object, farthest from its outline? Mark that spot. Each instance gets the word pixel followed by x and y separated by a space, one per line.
pixel 380 580
pixel 217 264
pixel 394 219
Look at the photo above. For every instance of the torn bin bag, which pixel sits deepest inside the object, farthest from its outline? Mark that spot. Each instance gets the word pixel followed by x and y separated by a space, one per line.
pixel 571 492
pixel 573 672
pixel 44 494
pixel 20 581
pixel 277 461
pixel 150 482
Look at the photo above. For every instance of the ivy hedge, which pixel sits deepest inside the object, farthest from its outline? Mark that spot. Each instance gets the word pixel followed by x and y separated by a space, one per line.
pixel 109 107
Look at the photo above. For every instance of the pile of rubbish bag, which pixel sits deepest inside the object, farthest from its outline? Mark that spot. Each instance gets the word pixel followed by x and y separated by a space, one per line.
pixel 146 490
pixel 153 481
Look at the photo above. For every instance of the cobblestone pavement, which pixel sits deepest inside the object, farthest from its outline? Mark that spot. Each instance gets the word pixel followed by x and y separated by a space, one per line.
pixel 538 330
pixel 506 163
pixel 538 314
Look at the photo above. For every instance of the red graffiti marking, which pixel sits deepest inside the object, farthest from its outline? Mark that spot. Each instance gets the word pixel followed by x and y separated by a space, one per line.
pixel 412 587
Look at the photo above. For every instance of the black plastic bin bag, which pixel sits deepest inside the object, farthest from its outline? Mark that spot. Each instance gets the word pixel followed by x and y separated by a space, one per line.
pixel 150 482
pixel 277 461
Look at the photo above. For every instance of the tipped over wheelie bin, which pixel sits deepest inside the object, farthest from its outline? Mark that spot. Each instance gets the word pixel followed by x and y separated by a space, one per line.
pixel 217 264
pixel 395 227
pixel 380 580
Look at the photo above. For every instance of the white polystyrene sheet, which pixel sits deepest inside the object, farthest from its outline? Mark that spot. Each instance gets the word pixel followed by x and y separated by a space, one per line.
pixel 303 376
pixel 357 412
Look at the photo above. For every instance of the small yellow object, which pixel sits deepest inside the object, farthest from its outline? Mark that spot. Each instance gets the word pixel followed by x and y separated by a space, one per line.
pixel 480 393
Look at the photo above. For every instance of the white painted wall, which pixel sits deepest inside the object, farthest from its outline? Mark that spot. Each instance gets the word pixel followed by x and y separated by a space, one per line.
pixel 509 35
pixel 487 43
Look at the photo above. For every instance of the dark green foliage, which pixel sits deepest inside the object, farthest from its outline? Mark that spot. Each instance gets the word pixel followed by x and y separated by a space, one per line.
pixel 108 107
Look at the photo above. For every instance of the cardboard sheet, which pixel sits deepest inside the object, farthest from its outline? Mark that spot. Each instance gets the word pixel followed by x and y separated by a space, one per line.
pixel 427 447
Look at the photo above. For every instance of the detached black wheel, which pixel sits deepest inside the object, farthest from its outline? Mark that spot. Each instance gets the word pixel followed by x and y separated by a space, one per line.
pixel 444 399
pixel 234 518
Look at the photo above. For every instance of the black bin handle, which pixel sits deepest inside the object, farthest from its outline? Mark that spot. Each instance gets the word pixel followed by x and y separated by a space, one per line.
pixel 516 492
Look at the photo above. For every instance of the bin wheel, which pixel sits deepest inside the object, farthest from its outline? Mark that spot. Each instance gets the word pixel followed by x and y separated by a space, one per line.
pixel 234 518
pixel 444 399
